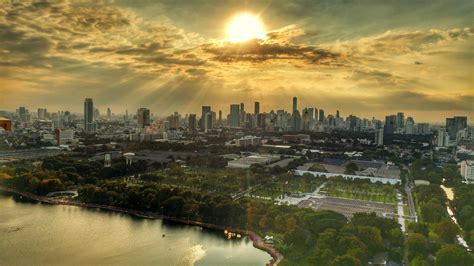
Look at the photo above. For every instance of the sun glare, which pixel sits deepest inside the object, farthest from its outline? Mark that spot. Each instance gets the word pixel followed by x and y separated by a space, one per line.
pixel 245 27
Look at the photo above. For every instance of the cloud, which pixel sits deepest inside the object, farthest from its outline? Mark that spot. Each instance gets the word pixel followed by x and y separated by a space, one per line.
pixel 260 51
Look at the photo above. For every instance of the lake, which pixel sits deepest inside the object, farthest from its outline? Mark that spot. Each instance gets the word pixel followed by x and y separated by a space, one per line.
pixel 34 233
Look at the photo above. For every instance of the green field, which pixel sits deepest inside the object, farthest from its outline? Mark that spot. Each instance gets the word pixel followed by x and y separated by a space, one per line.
pixel 361 191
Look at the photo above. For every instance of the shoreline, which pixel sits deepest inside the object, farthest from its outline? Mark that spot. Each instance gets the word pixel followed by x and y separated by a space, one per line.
pixel 257 241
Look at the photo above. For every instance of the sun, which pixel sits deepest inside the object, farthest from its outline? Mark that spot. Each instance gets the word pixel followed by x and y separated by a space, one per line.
pixel 245 27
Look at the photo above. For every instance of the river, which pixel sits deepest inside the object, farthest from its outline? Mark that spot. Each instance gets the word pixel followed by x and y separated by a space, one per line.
pixel 39 234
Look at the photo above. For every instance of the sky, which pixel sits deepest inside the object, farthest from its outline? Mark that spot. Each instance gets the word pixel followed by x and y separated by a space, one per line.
pixel 366 58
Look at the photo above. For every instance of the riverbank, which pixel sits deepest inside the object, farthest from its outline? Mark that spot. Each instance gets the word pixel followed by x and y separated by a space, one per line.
pixel 256 239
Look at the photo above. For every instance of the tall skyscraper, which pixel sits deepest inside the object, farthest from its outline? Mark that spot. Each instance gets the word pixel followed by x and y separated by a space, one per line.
pixel 109 113
pixel 321 115
pixel 89 125
pixel 455 124
pixel 192 123
pixel 41 114
pixel 207 122
pixel 234 115
pixel 257 108
pixel 390 124
pixel 400 120
pixel 295 104
pixel 143 117
pixel 442 139
pixel 379 137
pixel 242 115
pixel 204 110
pixel 337 114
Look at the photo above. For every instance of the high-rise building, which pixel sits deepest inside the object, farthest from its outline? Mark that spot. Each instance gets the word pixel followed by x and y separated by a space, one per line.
pixel 174 121
pixel 296 121
pixel 220 116
pixel 295 104
pixel 455 124
pixel 337 114
pixel 41 114
pixel 321 115
pixel 379 137
pixel 192 123
pixel 307 117
pixel 400 120
pixel 390 124
pixel 467 171
pixel 89 125
pixel 109 113
pixel 423 128
pixel 204 110
pixel 442 139
pixel 242 115
pixel 410 126
pixel 207 122
pixel 234 115
pixel 143 117
pixel 261 123
pixel 257 108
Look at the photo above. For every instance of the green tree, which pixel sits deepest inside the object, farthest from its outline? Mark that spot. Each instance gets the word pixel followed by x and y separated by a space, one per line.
pixel 447 231
pixel 417 245
pixel 345 260
pixel 453 255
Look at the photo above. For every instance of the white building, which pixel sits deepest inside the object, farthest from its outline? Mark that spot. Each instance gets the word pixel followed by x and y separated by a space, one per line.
pixel 248 141
pixel 442 140
pixel 373 179
pixel 467 171
pixel 379 137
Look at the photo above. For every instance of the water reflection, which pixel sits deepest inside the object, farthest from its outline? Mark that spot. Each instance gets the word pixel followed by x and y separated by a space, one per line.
pixel 34 233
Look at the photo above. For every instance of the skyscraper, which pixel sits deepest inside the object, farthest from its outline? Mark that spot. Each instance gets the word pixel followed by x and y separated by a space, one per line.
pixel 390 124
pixel 257 108
pixel 400 120
pixel 234 115
pixel 143 117
pixel 442 139
pixel 192 123
pixel 207 121
pixel 295 104
pixel 453 125
pixel 109 113
pixel 242 115
pixel 321 115
pixel 89 125
pixel 204 110
pixel 379 137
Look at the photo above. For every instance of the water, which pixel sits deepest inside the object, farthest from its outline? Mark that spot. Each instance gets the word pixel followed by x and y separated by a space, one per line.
pixel 34 233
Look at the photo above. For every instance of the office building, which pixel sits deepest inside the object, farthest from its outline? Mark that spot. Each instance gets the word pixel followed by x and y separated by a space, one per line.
pixel 143 117
pixel 295 104
pixel 390 124
pixel 89 125
pixel 321 115
pixel 467 171
pixel 257 108
pixel 192 123
pixel 442 139
pixel 234 120
pixel 400 120
pixel 455 124
pixel 379 137
pixel 204 110
pixel 423 128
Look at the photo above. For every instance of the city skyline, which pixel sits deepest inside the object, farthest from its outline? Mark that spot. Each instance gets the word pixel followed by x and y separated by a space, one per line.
pixel 369 59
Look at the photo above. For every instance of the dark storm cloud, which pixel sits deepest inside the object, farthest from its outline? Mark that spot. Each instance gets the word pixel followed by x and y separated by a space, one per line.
pixel 408 100
pixel 259 51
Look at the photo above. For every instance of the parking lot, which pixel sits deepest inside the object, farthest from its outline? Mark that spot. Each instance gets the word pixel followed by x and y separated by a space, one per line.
pixel 347 206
